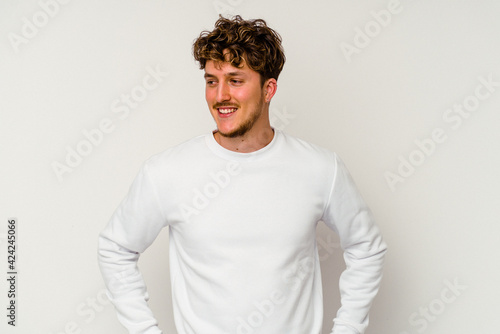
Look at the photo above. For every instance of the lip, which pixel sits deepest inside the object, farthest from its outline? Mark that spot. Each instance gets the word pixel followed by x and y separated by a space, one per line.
pixel 226 115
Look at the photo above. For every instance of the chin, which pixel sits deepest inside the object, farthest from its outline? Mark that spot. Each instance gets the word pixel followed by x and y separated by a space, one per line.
pixel 233 133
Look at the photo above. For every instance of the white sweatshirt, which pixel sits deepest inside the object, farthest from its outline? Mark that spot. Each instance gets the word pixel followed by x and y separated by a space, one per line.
pixel 243 253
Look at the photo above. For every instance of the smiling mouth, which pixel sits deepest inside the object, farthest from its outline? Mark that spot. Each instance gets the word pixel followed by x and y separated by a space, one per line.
pixel 226 110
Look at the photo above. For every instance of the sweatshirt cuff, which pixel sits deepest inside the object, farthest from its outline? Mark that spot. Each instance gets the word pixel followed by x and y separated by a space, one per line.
pixel 342 329
pixel 153 330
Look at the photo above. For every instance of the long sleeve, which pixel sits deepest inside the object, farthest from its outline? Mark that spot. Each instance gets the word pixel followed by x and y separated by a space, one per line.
pixel 133 227
pixel 364 250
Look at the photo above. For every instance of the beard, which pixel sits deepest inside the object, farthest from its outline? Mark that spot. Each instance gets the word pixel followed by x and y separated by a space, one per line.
pixel 246 126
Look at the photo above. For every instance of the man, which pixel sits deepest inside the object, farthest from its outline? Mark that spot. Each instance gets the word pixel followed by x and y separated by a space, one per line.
pixel 242 204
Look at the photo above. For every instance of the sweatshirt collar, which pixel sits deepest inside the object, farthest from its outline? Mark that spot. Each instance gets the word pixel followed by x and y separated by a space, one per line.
pixel 267 150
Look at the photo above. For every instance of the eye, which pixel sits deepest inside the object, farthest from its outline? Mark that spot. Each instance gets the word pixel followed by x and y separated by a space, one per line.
pixel 210 82
pixel 236 81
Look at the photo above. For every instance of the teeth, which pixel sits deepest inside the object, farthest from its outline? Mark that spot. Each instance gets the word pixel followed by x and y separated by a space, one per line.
pixel 226 110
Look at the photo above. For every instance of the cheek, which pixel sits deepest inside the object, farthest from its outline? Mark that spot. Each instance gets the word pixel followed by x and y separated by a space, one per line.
pixel 209 96
pixel 242 97
pixel 252 99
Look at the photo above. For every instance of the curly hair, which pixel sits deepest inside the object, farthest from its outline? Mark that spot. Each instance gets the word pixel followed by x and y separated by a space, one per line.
pixel 237 41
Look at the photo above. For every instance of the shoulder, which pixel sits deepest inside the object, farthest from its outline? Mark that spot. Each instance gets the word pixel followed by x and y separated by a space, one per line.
pixel 184 153
pixel 306 150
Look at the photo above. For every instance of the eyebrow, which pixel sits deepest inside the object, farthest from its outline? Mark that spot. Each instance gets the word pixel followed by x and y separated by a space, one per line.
pixel 230 74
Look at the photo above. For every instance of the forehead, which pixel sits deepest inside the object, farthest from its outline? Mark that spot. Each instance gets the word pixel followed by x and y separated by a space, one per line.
pixel 215 68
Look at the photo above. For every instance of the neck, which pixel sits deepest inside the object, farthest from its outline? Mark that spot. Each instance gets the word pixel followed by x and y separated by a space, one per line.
pixel 251 141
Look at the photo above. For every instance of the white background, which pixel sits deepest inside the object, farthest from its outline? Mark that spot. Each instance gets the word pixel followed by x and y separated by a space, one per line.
pixel 61 77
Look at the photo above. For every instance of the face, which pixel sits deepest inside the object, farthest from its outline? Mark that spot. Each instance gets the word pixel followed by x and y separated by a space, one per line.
pixel 236 98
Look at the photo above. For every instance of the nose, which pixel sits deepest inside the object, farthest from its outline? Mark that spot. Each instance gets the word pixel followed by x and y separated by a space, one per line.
pixel 223 92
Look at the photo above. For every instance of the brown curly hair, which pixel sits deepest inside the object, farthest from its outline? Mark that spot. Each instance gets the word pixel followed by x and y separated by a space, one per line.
pixel 250 41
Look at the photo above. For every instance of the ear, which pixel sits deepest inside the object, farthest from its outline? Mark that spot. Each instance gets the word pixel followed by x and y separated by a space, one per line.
pixel 270 87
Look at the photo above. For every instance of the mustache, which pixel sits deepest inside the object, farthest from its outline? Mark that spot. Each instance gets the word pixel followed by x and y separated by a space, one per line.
pixel 225 104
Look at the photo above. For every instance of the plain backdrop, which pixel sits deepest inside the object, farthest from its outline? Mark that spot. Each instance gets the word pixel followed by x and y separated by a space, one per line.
pixel 407 93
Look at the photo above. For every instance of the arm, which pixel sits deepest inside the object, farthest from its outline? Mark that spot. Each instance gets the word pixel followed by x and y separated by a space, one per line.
pixel 364 250
pixel 132 228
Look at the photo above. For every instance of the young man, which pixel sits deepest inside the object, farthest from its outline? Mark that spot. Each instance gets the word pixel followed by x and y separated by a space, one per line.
pixel 242 204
